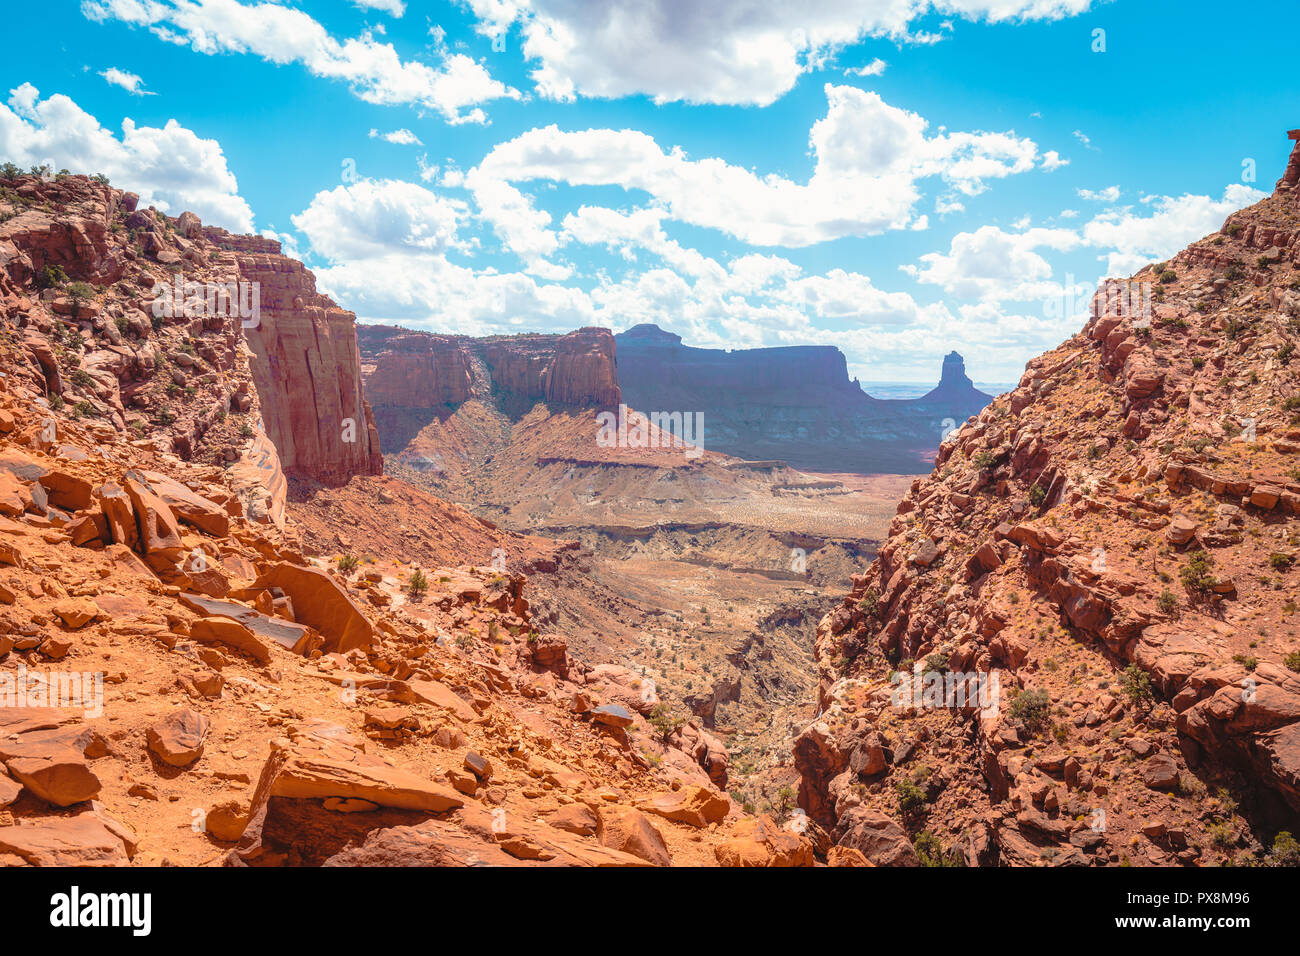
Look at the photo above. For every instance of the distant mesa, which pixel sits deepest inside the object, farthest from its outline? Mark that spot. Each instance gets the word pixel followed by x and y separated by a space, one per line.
pixel 795 403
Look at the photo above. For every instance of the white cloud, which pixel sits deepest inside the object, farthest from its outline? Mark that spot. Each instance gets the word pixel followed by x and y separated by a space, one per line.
pixel 371 218
pixel 1109 194
pixel 875 68
pixel 737 53
pixel 171 168
pixel 394 8
pixel 402 137
pixel 991 265
pixel 1052 160
pixel 127 81
pixel 1133 240
pixel 279 34
pixel 869 157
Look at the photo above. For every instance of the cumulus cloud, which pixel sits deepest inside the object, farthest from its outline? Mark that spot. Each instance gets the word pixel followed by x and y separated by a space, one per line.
pixel 1132 239
pixel 748 52
pixel 394 8
pixel 869 157
pixel 127 81
pixel 280 34
pixel 402 137
pixel 172 168
pixel 371 218
pixel 993 265
pixel 1109 194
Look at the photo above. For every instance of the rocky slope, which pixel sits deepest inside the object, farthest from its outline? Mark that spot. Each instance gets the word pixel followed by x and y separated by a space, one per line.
pixel 796 403
pixel 193 673
pixel 1118 539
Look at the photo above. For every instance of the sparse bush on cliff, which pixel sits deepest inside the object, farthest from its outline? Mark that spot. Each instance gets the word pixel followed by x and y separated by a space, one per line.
pixel 1196 574
pixel 417 583
pixel 1135 684
pixel 1032 708
pixel 665 721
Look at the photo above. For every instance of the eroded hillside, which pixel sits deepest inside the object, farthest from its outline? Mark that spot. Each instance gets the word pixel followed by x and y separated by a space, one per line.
pixel 190 677
pixel 1118 539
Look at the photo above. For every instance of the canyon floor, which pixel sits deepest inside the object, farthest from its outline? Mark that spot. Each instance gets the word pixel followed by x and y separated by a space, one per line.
pixel 705 574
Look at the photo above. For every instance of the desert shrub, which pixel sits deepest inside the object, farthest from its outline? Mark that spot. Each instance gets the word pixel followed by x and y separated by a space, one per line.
pixel 665 721
pixel 1196 574
pixel 417 583
pixel 933 853
pixel 911 799
pixel 1033 709
pixel 1285 852
pixel 869 604
pixel 52 277
pixel 348 563
pixel 1292 661
pixel 1167 602
pixel 1135 684
pixel 1037 494
pixel 1280 562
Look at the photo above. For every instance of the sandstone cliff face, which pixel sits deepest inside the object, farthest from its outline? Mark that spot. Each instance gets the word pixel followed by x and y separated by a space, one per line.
pixel 796 404
pixel 418 370
pixel 307 368
pixel 575 369
pixel 1128 518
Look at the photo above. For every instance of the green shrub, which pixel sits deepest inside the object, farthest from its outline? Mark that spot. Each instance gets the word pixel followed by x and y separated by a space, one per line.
pixel 933 853
pixel 1286 851
pixel 1135 684
pixel 1167 602
pixel 417 583
pixel 1033 709
pixel 1037 494
pixel 869 604
pixel 1196 574
pixel 665 721
pixel 348 563
pixel 911 799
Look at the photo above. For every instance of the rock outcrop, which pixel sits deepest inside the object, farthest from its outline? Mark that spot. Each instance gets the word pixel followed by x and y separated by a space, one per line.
pixel 307 369
pixel 1076 647
pixel 417 370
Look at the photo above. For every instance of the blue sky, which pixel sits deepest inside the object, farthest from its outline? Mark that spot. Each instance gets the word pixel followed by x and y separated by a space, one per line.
pixel 895 177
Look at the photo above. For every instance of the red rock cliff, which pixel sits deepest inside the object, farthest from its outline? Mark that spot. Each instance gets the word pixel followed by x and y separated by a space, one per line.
pixel 307 368
pixel 418 370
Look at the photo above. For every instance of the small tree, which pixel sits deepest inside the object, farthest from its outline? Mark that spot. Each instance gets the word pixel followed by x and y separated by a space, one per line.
pixel 1136 686
pixel 911 800
pixel 665 721
pixel 417 583
pixel 1033 709
pixel 1197 573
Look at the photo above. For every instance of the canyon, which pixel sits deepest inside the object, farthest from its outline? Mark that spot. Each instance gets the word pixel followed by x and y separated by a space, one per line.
pixel 362 595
